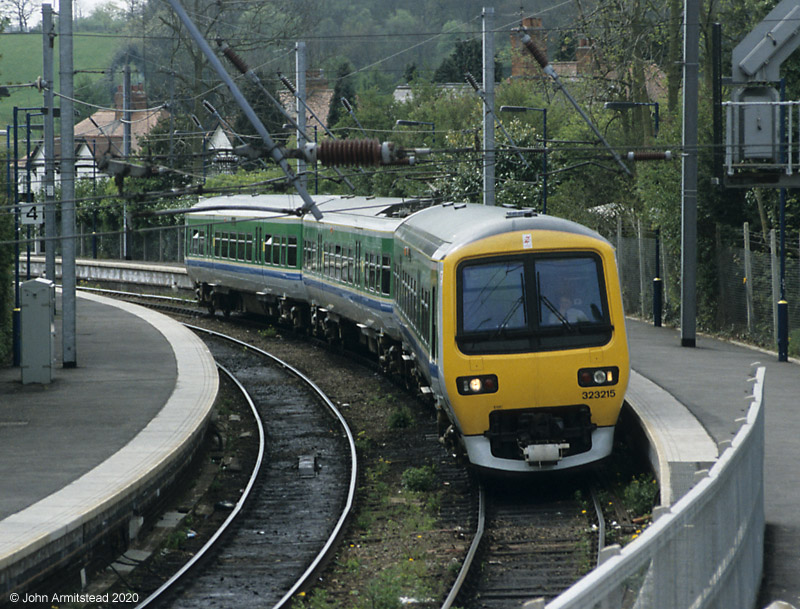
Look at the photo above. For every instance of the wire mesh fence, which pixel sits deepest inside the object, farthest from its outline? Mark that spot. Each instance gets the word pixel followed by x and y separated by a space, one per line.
pixel 737 296
pixel 161 244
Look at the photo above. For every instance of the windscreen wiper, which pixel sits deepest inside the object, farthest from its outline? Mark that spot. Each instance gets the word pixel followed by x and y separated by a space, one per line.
pixel 555 312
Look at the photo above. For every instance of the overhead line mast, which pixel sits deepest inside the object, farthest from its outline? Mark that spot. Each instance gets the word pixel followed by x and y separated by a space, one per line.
pixel 273 149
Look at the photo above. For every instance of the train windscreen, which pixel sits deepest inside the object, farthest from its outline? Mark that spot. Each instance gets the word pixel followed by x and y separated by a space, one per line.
pixel 532 303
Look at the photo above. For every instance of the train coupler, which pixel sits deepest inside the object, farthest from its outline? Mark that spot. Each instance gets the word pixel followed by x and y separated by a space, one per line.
pixel 543 454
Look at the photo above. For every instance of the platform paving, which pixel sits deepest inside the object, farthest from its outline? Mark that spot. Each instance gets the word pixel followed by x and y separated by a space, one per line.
pixel 52 434
pixel 141 392
pixel 711 380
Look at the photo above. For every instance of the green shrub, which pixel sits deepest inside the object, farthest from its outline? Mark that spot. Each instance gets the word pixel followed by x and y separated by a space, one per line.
pixel 400 418
pixel 640 494
pixel 419 479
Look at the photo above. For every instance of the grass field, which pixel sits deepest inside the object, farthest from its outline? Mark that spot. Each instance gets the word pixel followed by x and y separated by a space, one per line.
pixel 21 62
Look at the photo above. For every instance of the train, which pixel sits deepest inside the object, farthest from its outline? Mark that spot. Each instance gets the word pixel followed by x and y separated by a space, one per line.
pixel 509 321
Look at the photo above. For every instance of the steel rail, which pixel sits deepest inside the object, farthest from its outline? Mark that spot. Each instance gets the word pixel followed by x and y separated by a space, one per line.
pixel 339 528
pixel 601 524
pixel 234 512
pixel 473 549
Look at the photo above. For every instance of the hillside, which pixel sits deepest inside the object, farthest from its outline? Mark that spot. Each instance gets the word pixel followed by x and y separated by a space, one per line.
pixel 21 62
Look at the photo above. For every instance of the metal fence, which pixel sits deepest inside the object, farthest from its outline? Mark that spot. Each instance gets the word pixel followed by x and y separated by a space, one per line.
pixel 711 540
pixel 162 244
pixel 739 296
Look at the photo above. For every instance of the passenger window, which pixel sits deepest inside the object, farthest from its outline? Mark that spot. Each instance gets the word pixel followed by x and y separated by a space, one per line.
pixel 291 259
pixel 386 275
pixel 267 249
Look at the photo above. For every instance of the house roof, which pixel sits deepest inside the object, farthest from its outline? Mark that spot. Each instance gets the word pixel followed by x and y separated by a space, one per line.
pixel 103 130
pixel 317 98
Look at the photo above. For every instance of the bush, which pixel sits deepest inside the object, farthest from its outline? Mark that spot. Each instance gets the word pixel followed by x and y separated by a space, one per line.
pixel 640 494
pixel 419 479
pixel 400 418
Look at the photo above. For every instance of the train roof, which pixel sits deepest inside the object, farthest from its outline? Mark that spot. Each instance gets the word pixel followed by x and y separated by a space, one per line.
pixel 436 229
pixel 278 205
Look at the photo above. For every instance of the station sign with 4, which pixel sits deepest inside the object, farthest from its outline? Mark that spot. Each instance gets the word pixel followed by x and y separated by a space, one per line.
pixel 31 213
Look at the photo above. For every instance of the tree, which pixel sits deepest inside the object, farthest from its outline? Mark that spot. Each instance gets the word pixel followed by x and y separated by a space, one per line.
pixel 343 87
pixel 19 10
pixel 466 57
pixel 184 77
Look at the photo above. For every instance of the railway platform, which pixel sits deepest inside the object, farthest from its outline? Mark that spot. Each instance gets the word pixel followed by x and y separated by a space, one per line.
pixel 711 381
pixel 85 456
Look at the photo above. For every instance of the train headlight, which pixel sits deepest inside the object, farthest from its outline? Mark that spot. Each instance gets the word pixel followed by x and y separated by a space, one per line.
pixel 475 385
pixel 598 377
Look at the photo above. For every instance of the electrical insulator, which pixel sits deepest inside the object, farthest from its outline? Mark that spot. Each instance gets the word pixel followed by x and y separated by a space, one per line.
pixel 287 83
pixel 538 54
pixel 232 56
pixel 339 153
pixel 650 155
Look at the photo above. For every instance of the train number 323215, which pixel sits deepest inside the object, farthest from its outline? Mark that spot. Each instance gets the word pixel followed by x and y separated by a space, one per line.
pixel 598 394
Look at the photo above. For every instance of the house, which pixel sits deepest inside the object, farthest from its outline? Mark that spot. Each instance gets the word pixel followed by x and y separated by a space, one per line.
pixel 318 99
pixel 103 131
pixel 584 66
pixel 95 136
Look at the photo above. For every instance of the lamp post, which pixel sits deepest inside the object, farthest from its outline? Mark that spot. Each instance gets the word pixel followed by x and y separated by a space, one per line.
pixel 408 123
pixel 624 105
pixel 544 141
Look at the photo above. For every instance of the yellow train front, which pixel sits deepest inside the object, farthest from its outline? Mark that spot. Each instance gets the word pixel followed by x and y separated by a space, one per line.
pixel 532 366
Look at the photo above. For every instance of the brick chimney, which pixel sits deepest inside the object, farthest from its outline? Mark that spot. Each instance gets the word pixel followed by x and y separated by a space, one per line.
pixel 522 64
pixel 138 99
pixel 584 56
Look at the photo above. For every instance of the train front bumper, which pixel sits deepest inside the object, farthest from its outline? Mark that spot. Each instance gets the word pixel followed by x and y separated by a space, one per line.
pixel 480 454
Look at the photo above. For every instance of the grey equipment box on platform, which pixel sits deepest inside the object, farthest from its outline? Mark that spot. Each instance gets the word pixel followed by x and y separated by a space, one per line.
pixel 37 306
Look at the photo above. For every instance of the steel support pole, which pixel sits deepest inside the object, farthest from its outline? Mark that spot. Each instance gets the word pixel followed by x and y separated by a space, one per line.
pixel 126 152
pixel 273 150
pixel 488 110
pixel 16 330
pixel 691 47
pixel 300 104
pixel 68 281
pixel 50 231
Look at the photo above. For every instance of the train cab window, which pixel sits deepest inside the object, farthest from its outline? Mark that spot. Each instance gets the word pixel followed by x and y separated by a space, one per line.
pixel 532 303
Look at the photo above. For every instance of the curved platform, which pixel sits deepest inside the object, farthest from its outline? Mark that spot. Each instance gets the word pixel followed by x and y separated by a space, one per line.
pixel 86 454
pixel 693 401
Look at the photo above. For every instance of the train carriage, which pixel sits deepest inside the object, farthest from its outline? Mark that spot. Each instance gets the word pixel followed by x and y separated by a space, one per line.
pixel 243 252
pixel 530 318
pixel 512 322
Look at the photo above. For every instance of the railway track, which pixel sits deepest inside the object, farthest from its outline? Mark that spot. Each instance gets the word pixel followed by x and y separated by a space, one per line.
pixel 534 544
pixel 526 543
pixel 299 500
